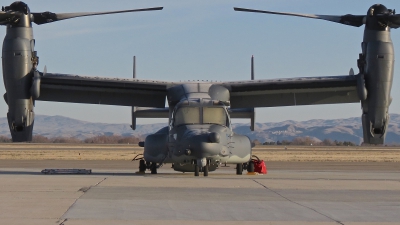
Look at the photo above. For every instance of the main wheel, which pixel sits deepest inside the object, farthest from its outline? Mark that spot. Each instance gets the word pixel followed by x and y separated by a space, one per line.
pixel 250 167
pixel 142 166
pixel 205 170
pixel 196 170
pixel 153 168
pixel 239 169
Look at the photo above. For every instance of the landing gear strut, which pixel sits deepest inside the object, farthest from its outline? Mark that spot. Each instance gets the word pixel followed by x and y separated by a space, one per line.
pixel 205 170
pixel 196 170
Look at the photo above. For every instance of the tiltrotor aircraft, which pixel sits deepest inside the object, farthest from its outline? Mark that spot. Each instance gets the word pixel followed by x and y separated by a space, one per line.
pixel 199 135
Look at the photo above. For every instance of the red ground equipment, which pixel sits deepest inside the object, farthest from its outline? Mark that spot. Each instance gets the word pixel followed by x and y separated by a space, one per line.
pixel 259 165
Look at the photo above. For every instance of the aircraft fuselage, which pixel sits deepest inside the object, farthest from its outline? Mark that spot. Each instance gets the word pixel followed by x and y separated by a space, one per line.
pixel 199 133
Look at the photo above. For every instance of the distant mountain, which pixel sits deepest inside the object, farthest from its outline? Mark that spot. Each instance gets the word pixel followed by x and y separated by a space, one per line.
pixel 349 129
pixel 60 126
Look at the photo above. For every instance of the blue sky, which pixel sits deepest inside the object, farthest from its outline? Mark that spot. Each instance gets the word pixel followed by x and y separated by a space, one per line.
pixel 206 40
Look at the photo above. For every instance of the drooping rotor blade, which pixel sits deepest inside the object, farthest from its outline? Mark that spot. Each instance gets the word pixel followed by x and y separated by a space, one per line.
pixel 392 21
pixel 6 17
pixel 48 17
pixel 351 20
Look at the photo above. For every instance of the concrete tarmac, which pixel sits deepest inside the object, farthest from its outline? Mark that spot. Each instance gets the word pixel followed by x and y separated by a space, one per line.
pixel 291 193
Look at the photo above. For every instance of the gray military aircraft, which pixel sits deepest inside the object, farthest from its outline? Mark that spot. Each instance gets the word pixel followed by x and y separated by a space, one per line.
pixel 199 135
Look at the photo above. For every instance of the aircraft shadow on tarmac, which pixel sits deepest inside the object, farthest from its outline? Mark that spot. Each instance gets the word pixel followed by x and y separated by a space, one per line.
pixel 8 172
pixel 67 174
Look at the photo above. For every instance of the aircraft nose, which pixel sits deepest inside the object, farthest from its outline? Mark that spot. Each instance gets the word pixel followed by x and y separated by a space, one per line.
pixel 204 145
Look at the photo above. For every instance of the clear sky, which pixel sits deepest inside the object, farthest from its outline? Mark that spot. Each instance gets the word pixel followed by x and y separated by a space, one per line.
pixel 206 40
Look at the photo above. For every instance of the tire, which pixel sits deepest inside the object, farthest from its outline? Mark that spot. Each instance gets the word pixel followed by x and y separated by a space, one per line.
pixel 239 169
pixel 142 166
pixel 205 170
pixel 153 168
pixel 196 170
pixel 250 167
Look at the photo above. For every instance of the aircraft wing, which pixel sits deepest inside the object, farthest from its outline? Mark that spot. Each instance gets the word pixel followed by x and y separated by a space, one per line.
pixel 107 91
pixel 293 91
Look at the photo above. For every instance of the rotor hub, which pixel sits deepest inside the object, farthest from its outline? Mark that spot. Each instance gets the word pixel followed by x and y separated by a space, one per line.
pixel 17 6
pixel 377 9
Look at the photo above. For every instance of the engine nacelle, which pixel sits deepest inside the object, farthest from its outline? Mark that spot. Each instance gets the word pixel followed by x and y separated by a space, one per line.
pixel 378 75
pixel 17 74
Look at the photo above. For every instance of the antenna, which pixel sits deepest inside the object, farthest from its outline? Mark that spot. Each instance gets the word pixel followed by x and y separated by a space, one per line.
pixel 134 67
pixel 252 67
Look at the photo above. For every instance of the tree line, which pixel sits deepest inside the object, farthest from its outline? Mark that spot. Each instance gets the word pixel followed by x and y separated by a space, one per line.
pixel 307 141
pixel 93 140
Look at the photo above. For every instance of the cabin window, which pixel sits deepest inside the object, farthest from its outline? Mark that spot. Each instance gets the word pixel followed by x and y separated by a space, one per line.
pixel 214 115
pixel 187 115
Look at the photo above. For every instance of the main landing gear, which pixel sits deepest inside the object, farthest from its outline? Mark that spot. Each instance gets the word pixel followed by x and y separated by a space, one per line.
pixel 153 168
pixel 249 166
pixel 239 169
pixel 143 166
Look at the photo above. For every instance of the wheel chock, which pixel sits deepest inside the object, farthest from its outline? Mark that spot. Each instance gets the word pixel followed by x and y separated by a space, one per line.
pixel 252 173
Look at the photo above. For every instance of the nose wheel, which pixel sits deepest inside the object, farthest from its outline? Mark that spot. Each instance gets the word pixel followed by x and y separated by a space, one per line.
pixel 199 168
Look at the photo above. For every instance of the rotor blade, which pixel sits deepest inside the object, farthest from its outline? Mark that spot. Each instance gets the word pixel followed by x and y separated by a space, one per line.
pixel 393 21
pixel 346 19
pixel 48 17
pixel 6 17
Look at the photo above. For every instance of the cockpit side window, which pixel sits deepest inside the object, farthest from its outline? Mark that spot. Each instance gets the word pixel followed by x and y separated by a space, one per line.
pixel 187 115
pixel 214 115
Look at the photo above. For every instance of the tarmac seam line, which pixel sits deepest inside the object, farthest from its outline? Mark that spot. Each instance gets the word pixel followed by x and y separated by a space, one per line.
pixel 62 223
pixel 277 193
pixel 83 192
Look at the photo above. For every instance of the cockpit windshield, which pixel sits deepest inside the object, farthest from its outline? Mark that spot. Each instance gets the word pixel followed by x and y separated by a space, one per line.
pixel 187 115
pixel 214 115
pixel 201 115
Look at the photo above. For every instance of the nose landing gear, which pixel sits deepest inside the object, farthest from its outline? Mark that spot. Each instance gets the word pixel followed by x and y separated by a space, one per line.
pixel 201 165
pixel 196 170
pixel 205 170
